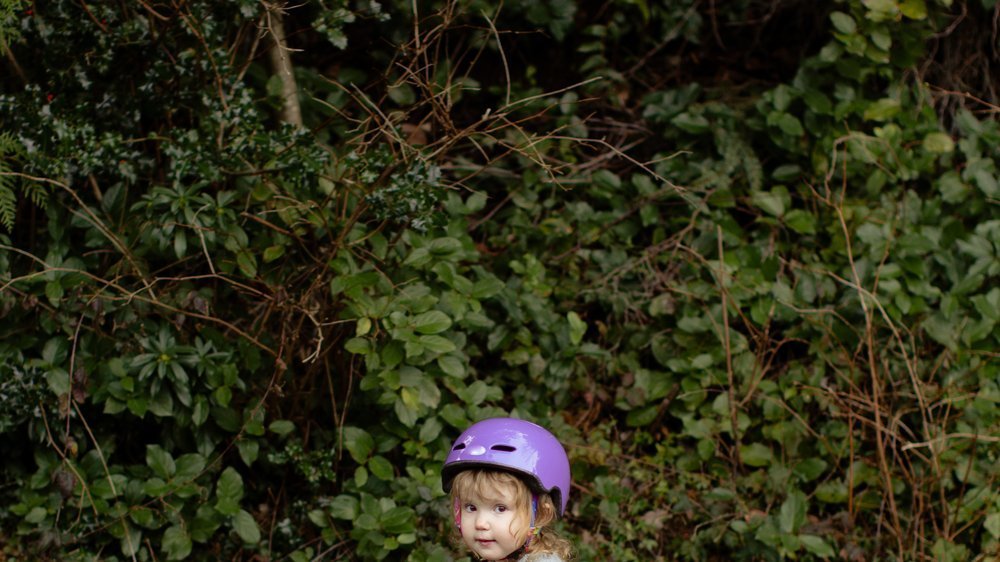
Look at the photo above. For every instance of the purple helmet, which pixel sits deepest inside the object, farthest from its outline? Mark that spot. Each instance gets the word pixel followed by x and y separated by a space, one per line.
pixel 526 449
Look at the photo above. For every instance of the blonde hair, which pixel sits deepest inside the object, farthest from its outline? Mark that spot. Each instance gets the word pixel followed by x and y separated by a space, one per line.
pixel 485 483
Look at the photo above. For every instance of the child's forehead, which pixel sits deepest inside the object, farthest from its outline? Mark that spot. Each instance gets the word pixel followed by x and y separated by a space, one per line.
pixel 494 491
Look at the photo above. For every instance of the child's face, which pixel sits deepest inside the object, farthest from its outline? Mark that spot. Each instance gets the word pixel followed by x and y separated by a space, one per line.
pixel 491 525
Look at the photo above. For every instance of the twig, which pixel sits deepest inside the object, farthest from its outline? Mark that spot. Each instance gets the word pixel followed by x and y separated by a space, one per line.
pixel 721 278
pixel 281 63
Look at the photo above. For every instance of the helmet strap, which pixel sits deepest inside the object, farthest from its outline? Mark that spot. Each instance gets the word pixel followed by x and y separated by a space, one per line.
pixel 532 531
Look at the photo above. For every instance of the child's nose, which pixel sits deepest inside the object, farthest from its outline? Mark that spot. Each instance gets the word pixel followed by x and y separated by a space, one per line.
pixel 482 521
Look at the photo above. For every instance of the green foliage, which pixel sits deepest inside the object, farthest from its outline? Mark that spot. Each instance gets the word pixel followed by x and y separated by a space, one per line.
pixel 758 304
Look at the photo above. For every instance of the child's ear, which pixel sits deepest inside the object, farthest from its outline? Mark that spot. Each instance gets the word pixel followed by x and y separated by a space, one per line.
pixel 546 512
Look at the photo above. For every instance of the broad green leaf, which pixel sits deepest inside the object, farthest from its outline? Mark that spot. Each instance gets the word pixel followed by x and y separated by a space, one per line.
pixel 272 253
pixel 142 516
pixel 452 366
pixel 359 443
pixel 381 468
pixel 882 110
pixel 487 287
pixel 694 124
pixel 281 427
pixel 358 346
pixel 577 328
pixel 790 125
pixel 641 417
pixel 160 461
pixel 769 202
pixel 54 292
pixel 189 466
pixel 938 143
pixel 248 449
pixel 914 9
pixel 204 524
pixel 247 263
pixel 992 524
pixel 58 381
pixel 345 507
pixel 431 322
pixel 793 512
pixel 756 454
pixel 131 540
pixel 431 430
pixel 833 491
pixel 405 413
pixel 843 23
pixel 817 546
pixel 437 344
pixel 800 221
pixel 881 10
pixel 444 246
pixel 811 468
pixel 246 527
pixel 230 485
pixel 36 515
pixel 176 543
pixel 398 520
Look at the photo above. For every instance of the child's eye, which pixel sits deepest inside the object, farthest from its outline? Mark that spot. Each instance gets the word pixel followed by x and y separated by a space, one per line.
pixel 501 508
pixel 469 507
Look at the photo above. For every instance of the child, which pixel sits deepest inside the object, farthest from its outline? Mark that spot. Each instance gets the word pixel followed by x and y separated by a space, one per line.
pixel 509 479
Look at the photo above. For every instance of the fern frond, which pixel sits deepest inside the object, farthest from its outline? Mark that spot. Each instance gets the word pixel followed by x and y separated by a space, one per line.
pixel 8 204
pixel 8 19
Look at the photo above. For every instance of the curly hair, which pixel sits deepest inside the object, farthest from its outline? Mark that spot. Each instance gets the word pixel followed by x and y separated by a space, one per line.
pixel 479 483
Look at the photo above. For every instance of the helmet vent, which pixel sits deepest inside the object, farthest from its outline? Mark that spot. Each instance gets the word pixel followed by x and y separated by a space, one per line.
pixel 459 447
pixel 504 448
